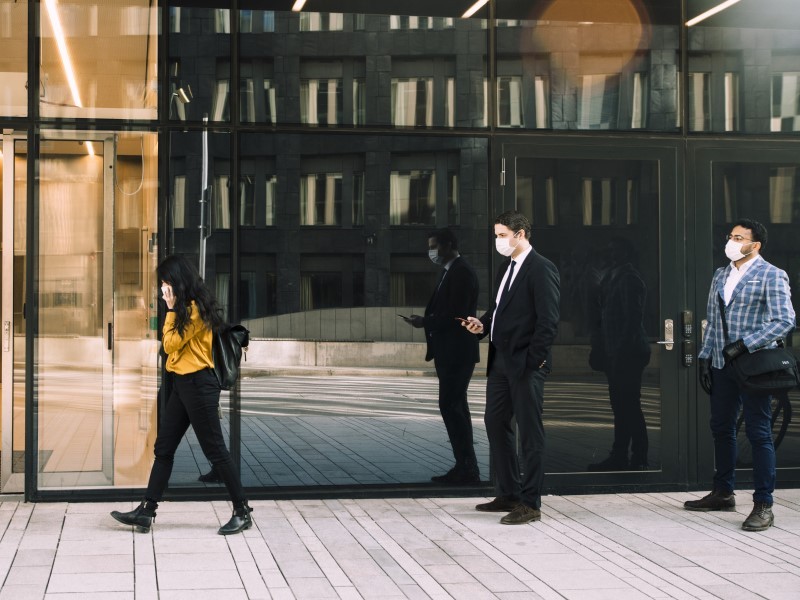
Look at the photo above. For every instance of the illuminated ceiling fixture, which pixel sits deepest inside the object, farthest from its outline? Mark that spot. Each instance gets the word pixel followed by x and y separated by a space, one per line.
pixel 710 12
pixel 298 5
pixel 90 148
pixel 474 8
pixel 61 42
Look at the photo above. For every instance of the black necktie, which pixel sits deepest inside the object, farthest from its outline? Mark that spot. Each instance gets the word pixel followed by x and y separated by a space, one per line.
pixel 439 284
pixel 508 280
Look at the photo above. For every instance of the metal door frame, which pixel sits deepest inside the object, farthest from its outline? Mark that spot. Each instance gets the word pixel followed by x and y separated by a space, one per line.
pixel 672 260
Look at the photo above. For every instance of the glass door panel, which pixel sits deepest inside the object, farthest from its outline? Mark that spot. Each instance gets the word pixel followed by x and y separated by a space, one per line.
pixel 603 217
pixel 761 184
pixel 96 348
pixel 13 167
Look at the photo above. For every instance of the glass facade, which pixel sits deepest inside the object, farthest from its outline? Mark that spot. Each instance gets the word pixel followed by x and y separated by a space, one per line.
pixel 302 159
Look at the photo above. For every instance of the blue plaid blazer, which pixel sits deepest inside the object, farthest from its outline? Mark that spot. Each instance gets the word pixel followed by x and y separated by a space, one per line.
pixel 759 313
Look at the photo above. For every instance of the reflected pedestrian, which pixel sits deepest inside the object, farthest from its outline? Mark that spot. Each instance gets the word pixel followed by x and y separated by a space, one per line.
pixel 192 316
pixel 453 350
pixel 621 351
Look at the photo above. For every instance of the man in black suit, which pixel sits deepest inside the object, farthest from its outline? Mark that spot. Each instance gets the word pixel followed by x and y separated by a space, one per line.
pixel 453 350
pixel 522 324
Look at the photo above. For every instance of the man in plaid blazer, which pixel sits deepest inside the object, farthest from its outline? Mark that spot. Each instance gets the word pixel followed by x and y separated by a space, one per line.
pixel 758 310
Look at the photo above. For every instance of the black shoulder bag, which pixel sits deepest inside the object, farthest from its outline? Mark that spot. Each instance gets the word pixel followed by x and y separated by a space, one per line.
pixel 228 345
pixel 765 371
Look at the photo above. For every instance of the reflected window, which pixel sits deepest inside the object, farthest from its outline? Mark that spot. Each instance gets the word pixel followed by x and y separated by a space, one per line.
pixel 321 21
pixel 731 95
pixel 412 197
pixel 598 201
pixel 331 281
pixel 509 102
pixel 221 202
pixel 359 101
pixel 220 110
pixel 222 20
pixel 411 281
pixel 179 201
pixel 247 200
pixel 784 195
pixel 321 101
pixel 785 102
pixel 257 94
pixel 598 101
pixel 412 101
pixel 699 101
pixel 453 208
pixel 321 199
pixel 256 21
pixel 405 22
pixel 639 101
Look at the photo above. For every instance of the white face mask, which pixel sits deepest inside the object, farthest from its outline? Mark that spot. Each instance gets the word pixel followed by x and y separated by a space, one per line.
pixel 733 250
pixel 503 246
pixel 435 258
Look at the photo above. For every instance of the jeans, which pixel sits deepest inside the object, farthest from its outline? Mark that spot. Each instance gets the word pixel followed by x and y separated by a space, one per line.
pixel 194 401
pixel 726 399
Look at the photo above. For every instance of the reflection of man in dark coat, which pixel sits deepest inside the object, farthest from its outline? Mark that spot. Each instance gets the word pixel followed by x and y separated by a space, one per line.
pixel 621 351
pixel 454 350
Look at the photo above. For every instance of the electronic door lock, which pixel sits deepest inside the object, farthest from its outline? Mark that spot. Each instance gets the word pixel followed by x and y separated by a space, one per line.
pixel 687 323
pixel 687 349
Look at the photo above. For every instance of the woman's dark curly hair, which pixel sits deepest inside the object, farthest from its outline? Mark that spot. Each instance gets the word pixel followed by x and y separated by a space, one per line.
pixel 187 285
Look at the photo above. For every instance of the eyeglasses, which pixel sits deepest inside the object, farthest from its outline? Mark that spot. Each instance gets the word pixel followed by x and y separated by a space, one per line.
pixel 738 238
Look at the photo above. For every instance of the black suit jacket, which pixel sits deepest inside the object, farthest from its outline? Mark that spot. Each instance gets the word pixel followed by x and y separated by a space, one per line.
pixel 526 322
pixel 448 341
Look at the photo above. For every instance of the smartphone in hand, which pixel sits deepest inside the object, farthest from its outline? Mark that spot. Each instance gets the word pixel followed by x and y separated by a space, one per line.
pixel 403 316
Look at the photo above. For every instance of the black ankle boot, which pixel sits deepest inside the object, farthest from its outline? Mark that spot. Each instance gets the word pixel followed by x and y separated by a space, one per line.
pixel 240 520
pixel 140 517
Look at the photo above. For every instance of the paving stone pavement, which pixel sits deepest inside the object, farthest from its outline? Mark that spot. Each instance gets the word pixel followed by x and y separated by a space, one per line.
pixel 594 547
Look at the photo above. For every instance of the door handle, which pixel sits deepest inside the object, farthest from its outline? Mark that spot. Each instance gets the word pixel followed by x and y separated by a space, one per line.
pixel 110 336
pixel 703 327
pixel 669 335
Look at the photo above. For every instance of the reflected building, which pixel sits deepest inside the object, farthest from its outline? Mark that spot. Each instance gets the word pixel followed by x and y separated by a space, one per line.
pixel 303 158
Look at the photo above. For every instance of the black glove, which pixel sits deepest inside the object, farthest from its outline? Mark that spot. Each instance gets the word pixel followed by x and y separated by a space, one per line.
pixel 704 372
pixel 733 350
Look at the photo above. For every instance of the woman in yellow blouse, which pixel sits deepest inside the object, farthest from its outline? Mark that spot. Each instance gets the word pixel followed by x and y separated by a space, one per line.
pixel 192 317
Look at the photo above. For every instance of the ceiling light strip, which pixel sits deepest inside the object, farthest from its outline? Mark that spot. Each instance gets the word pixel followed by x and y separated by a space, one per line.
pixel 711 12
pixel 61 42
pixel 298 5
pixel 474 8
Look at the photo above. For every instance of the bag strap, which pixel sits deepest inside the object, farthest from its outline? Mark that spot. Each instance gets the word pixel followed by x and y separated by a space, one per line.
pixel 779 341
pixel 722 314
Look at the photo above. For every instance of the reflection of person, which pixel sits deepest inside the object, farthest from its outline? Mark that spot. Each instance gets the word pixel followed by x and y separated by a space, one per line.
pixel 621 351
pixel 758 311
pixel 521 324
pixel 192 316
pixel 453 350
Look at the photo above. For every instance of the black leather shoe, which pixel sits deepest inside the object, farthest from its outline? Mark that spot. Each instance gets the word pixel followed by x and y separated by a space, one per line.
pixel 522 514
pixel 140 517
pixel 239 521
pixel 499 504
pixel 614 462
pixel 210 477
pixel 716 500
pixel 459 476
pixel 760 518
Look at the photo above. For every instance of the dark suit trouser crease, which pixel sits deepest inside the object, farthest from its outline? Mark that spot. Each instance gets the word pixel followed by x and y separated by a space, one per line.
pixel 453 383
pixel 194 401
pixel 521 398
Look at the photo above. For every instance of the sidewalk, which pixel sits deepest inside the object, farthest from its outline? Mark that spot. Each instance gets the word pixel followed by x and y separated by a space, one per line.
pixel 596 547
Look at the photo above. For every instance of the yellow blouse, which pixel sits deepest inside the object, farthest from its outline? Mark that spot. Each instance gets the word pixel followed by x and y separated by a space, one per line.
pixel 192 351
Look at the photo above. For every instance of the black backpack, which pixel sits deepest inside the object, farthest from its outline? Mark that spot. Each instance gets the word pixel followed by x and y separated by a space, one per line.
pixel 228 344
